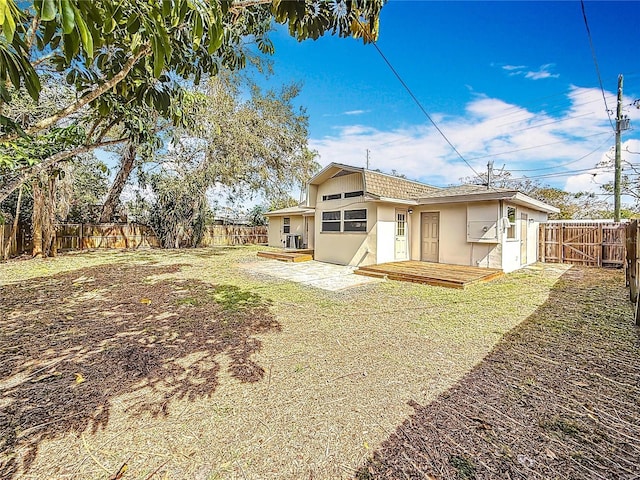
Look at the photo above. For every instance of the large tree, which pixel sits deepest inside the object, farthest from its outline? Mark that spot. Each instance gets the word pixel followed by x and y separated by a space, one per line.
pixel 128 52
pixel 248 145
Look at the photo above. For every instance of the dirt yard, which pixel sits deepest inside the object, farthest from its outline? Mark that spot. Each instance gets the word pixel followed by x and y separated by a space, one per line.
pixel 180 364
pixel 557 398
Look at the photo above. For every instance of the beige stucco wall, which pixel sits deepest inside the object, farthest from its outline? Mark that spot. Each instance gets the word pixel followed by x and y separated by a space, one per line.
pixel 346 248
pixel 511 258
pixel 464 241
pixel 453 247
pixel 459 224
pixel 275 230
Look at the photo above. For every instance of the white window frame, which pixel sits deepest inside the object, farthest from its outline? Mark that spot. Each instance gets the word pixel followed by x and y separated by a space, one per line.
pixel 331 221
pixel 352 222
pixel 512 232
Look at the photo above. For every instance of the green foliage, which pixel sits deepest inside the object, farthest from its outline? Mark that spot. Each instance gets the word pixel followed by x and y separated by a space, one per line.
pixel 26 151
pixel 249 145
pixel 179 209
pixel 256 215
pixel 285 201
pixel 90 181
pixel 91 41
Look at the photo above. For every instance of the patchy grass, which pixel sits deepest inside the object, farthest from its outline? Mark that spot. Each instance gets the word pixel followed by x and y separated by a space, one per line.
pixel 193 367
pixel 557 398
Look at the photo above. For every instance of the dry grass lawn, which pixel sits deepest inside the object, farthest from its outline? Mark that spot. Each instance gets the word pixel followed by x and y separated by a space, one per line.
pixel 180 364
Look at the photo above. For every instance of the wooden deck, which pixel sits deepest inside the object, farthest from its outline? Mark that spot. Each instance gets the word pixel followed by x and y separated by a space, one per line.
pixel 439 274
pixel 289 255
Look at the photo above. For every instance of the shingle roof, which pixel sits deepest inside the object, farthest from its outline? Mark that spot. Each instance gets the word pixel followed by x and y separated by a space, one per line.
pixel 467 189
pixel 388 186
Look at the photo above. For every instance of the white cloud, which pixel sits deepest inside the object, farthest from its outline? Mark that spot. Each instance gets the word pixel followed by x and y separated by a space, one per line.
pixel 348 113
pixel 356 112
pixel 544 71
pixel 528 143
pixel 512 68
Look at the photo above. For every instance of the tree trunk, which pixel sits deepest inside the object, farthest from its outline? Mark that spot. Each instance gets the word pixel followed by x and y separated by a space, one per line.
pixel 49 220
pixel 36 218
pixel 14 229
pixel 126 166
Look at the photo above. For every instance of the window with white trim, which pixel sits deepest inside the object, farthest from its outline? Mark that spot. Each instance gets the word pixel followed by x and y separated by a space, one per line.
pixel 511 230
pixel 331 221
pixel 355 220
pixel 286 225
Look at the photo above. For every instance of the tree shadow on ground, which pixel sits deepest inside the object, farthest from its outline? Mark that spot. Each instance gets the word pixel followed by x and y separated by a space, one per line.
pixel 557 398
pixel 72 342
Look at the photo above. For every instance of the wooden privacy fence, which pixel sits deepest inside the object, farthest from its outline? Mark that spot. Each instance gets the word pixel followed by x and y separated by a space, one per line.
pixel 224 235
pixel 633 266
pixel 594 244
pixel 78 236
pixel 131 235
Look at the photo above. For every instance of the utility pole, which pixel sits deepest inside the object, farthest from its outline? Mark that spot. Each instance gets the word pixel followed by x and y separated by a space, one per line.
pixel 367 159
pixel 489 173
pixel 618 160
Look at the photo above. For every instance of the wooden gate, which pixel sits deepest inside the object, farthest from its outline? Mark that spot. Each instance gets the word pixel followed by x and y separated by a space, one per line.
pixel 633 266
pixel 594 244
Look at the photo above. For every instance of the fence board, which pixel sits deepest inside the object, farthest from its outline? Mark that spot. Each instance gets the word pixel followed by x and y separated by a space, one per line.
pixel 594 244
pixel 633 266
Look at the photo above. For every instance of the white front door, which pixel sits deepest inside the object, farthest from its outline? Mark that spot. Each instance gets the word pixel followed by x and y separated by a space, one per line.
pixel 401 250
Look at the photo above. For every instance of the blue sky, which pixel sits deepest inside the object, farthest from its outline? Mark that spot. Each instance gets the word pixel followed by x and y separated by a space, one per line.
pixel 496 77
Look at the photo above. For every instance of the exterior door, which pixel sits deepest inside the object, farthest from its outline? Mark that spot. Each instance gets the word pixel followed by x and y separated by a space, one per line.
pixel 524 225
pixel 430 228
pixel 401 250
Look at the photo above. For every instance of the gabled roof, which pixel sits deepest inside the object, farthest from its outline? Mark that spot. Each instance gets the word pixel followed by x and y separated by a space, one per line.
pixel 376 184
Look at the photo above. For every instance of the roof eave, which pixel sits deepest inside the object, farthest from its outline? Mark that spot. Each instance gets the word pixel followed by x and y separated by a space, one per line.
pixel 525 200
pixel 512 196
pixel 468 197
pixel 319 177
pixel 401 201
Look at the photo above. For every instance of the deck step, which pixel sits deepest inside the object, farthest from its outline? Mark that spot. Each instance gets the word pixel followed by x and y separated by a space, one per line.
pixel 369 273
pixel 443 275
pixel 286 256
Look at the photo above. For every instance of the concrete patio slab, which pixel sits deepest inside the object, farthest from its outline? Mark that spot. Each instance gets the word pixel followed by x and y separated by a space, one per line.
pixel 314 274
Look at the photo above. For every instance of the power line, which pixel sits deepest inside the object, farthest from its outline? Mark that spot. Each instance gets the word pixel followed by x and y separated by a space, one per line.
pixel 539 125
pixel 595 61
pixel 537 146
pixel 567 163
pixel 406 138
pixel 415 99
pixel 599 170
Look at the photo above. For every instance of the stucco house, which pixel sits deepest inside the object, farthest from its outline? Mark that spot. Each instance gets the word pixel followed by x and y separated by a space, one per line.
pixel 354 216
